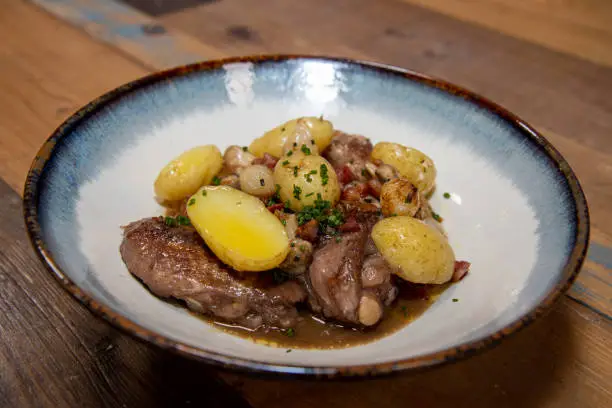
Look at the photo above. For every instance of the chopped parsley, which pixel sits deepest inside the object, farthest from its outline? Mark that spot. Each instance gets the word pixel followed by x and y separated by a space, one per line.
pixel 182 220
pixel 446 195
pixel 305 149
pixel 297 191
pixel 308 176
pixel 292 244
pixel 309 194
pixel 286 162
pixel 245 149
pixel 216 181
pixel 284 222
pixel 289 153
pixel 191 202
pixel 338 239
pixel 288 205
pixel 179 220
pixel 364 172
pixel 404 310
pixel 290 332
pixel 294 144
pixel 312 141
pixel 295 171
pixel 436 216
pixel 455 300
pixel 262 182
pixel 170 221
pixel 324 175
pixel 288 351
pixel 303 248
pixel 204 193
pixel 322 212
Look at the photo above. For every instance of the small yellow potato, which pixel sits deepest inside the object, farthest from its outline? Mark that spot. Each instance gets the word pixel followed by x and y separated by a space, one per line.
pixel 273 141
pixel 412 164
pixel 301 178
pixel 238 228
pixel 417 252
pixel 185 174
pixel 257 180
pixel 399 197
pixel 301 140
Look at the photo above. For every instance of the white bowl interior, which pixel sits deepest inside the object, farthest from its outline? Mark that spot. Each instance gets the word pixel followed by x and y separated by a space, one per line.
pixel 509 214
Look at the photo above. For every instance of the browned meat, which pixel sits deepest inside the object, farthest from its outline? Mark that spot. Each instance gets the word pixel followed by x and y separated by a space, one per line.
pixel 308 231
pixel 174 262
pixel 267 160
pixel 347 149
pixel 348 280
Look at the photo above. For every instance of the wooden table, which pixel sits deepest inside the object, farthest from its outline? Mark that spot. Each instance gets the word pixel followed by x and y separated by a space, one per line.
pixel 550 62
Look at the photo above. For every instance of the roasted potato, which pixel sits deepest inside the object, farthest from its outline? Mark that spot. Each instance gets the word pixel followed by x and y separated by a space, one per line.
pixel 412 164
pixel 417 252
pixel 185 174
pixel 301 178
pixel 238 228
pixel 273 141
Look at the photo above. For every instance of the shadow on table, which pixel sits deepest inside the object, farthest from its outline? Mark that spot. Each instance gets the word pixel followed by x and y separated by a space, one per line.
pixel 520 372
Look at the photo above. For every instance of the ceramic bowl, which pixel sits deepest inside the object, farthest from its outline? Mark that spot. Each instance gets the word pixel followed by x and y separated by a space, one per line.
pixel 517 211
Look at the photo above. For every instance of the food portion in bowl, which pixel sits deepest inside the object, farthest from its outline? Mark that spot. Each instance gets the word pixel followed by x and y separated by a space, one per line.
pixel 308 237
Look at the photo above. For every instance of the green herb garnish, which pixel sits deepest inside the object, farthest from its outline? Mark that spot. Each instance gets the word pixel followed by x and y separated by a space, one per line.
pixel 364 172
pixel 245 149
pixel 289 153
pixel 308 176
pixel 295 171
pixel 182 220
pixel 305 149
pixel 297 191
pixel 436 216
pixel 170 221
pixel 191 202
pixel 404 311
pixel 320 211
pixel 455 300
pixel 338 239
pixel 324 175
pixel 204 193
pixel 309 194
pixel 216 181
pixel 290 332
pixel 284 222
pixel 286 162
pixel 446 195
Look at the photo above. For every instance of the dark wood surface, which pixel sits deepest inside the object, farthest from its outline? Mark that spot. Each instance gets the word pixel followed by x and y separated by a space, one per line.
pixel 54 353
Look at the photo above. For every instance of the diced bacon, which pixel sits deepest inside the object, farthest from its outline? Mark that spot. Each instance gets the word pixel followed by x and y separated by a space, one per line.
pixel 267 160
pixel 374 187
pixel 350 225
pixel 308 231
pixel 275 207
pixel 461 269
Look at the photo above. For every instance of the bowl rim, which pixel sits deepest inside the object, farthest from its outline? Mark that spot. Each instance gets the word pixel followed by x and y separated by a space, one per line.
pixel 429 360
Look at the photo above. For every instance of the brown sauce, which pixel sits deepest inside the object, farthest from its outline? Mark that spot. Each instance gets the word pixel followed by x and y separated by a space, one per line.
pixel 313 333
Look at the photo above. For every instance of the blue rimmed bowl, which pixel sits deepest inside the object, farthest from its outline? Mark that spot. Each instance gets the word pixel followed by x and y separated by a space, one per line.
pixel 516 211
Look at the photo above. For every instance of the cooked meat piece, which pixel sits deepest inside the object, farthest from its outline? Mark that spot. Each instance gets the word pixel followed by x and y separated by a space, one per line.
pixel 299 257
pixel 335 277
pixel 174 262
pixel 308 231
pixel 376 276
pixel 348 149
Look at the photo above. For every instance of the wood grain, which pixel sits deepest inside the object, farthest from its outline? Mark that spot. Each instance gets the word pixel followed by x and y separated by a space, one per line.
pixel 54 353
pixel 545 366
pixel 580 28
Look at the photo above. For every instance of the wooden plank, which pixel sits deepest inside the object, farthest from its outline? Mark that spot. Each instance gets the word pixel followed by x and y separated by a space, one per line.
pixel 54 353
pixel 138 35
pixel 562 361
pixel 42 83
pixel 579 28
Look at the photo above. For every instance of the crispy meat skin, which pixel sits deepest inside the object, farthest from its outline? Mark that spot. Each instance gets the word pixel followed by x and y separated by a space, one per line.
pixel 174 262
